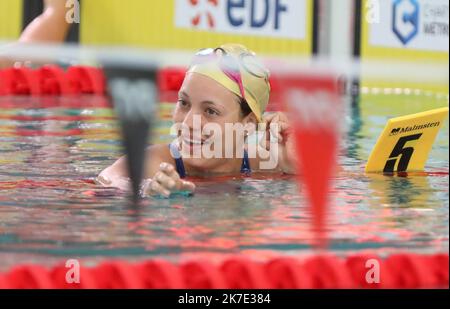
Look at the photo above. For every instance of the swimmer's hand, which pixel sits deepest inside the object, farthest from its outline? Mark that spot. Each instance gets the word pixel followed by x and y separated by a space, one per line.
pixel 165 182
pixel 279 127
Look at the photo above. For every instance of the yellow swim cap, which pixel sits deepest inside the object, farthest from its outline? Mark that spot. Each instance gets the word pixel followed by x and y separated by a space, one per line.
pixel 231 64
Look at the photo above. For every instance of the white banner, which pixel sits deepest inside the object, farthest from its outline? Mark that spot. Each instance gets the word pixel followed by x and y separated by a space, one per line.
pixel 270 18
pixel 412 24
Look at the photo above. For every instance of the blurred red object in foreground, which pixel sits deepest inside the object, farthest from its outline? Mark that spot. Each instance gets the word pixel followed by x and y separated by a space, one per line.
pixel 315 109
pixel 317 272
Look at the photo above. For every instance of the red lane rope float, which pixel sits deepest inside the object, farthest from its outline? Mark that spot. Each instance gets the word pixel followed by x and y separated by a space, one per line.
pixel 396 271
pixel 86 80
pixel 19 81
pixel 52 80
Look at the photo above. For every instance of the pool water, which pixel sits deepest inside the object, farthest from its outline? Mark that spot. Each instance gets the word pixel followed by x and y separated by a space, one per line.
pixel 51 149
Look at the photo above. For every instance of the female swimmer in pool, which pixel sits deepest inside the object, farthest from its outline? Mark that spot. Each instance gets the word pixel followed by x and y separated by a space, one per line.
pixel 224 88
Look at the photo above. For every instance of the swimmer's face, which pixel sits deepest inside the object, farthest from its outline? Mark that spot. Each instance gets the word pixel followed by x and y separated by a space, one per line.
pixel 203 104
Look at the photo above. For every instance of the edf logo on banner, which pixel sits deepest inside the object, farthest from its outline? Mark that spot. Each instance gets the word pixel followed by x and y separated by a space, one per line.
pixel 270 13
pixel 277 18
pixel 405 19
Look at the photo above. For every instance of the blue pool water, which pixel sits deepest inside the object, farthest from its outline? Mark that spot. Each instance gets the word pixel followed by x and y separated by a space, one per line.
pixel 51 210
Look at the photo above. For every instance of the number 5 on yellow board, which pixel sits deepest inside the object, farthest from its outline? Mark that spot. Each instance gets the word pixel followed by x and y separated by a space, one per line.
pixel 406 141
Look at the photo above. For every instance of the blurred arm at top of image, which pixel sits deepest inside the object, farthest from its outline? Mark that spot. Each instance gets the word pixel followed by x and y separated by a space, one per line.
pixel 49 27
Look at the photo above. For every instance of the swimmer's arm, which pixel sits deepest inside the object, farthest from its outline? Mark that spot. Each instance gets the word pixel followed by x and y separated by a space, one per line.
pixel 50 26
pixel 115 175
pixel 165 181
pixel 160 176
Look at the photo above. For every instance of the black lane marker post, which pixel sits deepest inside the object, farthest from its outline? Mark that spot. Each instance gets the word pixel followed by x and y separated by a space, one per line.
pixel 133 94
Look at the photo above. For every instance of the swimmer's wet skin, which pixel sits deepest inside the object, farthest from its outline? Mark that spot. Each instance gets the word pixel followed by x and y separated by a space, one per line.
pixel 167 181
pixel 224 86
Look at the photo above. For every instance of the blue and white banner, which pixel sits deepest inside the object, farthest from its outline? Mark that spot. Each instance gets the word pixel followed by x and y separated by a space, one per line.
pixel 412 24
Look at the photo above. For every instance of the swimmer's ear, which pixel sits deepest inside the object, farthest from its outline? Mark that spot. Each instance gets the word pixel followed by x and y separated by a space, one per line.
pixel 250 123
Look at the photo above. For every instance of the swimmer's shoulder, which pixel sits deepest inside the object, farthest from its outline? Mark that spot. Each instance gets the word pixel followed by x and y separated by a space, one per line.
pixel 157 154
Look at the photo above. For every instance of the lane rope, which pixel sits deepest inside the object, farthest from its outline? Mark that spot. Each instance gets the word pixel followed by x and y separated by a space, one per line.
pixel 323 272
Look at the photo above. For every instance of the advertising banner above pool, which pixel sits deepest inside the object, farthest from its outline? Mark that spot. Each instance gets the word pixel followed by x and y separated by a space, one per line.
pixel 415 31
pixel 270 18
pixel 407 29
pixel 265 26
pixel 412 24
